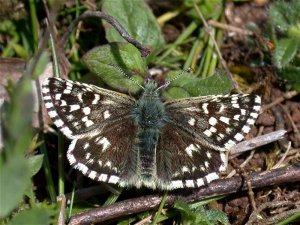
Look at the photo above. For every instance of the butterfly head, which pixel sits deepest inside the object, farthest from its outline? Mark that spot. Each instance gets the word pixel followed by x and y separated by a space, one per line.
pixel 151 89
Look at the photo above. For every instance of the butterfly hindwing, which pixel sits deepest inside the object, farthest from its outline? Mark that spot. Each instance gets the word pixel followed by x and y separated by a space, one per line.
pixel 107 156
pixel 184 162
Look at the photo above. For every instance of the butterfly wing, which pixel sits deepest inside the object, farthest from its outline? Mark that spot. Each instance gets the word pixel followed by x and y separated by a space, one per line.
pixel 182 161
pixel 107 156
pixel 217 121
pixel 191 148
pixel 98 122
pixel 83 110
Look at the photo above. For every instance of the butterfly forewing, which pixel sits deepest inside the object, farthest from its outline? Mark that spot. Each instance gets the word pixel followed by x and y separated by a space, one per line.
pixel 215 121
pixel 82 110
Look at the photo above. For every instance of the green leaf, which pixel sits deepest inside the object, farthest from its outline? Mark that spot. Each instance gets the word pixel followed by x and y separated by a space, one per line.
pixel 211 9
pixel 18 117
pixel 41 65
pixel 291 73
pixel 137 19
pixel 188 85
pixel 35 163
pixel 14 179
pixel 35 216
pixel 283 15
pixel 111 61
pixel 285 51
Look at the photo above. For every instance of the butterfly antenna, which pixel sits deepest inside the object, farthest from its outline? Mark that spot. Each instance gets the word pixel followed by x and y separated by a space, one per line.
pixel 129 77
pixel 175 78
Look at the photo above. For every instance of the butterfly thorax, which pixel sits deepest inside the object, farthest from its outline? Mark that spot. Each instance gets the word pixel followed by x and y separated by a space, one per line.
pixel 150 116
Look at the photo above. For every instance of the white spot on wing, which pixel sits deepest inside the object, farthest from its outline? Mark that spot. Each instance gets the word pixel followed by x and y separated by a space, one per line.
pixel 66 131
pixel 177 184
pixel 48 105
pixel 238 137
pixel 236 105
pixel 83 168
pixel 200 182
pixel 246 129
pixel 185 169
pixel 86 145
pixel 236 117
pixel 48 97
pixel 86 110
pixel 211 176
pixel 92 175
pixel 52 114
pixel 224 119
pixel 221 108
pixel 113 179
pixel 89 123
pixel 67 91
pixel 106 114
pixel 204 107
pixel 208 155
pixel 45 90
pixel 189 183
pixel 189 150
pixel 63 103
pixel 72 146
pixel 57 96
pixel 192 121
pixel 58 123
pixel 103 141
pixel 206 163
pixel 74 107
pixel 251 121
pixel 102 177
pixel 213 129
pixel 71 159
pixel 212 121
pixel 256 107
pixel 207 133
pixel 257 99
pixel 254 115
pixel 88 155
pixel 96 99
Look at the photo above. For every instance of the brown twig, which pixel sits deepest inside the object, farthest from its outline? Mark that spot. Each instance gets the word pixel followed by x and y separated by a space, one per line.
pixel 61 217
pixel 287 95
pixel 257 142
pixel 256 215
pixel 278 164
pixel 229 27
pixel 111 20
pixel 295 128
pixel 208 30
pixel 218 187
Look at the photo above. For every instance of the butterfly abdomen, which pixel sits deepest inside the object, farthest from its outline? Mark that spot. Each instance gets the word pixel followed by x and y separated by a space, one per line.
pixel 149 117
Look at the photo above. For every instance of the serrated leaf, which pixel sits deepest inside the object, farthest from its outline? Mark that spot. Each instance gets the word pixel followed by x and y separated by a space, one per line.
pixel 188 85
pixel 285 51
pixel 32 216
pixel 35 163
pixel 111 61
pixel 137 19
pixel 14 179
